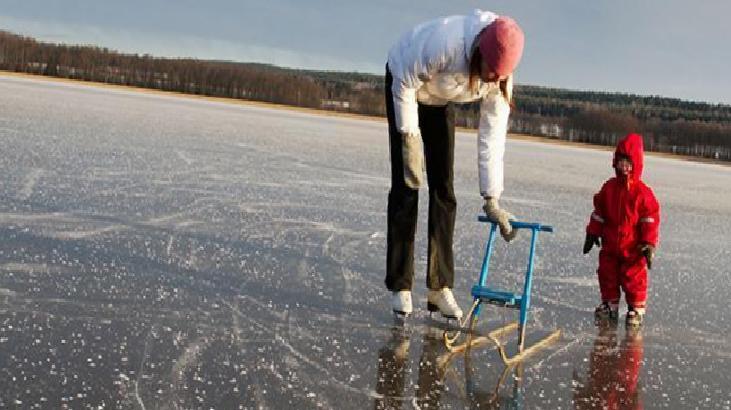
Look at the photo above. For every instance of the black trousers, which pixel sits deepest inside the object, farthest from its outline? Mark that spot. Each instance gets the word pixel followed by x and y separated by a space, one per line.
pixel 437 131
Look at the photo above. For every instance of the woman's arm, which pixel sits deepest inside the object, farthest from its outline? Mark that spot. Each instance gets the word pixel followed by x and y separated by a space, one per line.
pixel 491 135
pixel 405 106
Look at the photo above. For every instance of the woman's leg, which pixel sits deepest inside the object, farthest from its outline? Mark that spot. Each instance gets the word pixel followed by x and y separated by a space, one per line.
pixel 402 210
pixel 437 131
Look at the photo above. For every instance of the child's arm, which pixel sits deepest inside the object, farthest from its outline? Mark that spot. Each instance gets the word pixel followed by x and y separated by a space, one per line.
pixel 649 225
pixel 649 219
pixel 596 222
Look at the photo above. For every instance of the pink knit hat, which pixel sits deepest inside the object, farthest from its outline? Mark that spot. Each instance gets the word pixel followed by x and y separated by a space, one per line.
pixel 501 45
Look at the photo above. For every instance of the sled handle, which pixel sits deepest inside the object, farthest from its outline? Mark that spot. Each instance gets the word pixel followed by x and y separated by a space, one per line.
pixel 522 225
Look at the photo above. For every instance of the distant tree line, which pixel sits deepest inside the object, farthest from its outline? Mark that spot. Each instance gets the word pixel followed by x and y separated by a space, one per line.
pixel 212 78
pixel 669 125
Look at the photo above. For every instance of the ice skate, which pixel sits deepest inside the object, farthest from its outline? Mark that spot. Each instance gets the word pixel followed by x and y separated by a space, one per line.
pixel 401 303
pixel 605 311
pixel 443 301
pixel 634 318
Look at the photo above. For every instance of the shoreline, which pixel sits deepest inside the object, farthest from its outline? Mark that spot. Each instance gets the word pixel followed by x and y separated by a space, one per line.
pixel 314 111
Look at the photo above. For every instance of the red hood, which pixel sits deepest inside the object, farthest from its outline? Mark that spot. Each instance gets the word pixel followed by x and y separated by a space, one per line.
pixel 632 147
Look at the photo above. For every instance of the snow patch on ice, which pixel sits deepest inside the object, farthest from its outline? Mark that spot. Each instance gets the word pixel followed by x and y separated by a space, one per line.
pixel 31 179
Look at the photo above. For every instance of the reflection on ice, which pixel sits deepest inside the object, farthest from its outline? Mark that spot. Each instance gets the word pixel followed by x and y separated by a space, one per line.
pixel 405 380
pixel 613 377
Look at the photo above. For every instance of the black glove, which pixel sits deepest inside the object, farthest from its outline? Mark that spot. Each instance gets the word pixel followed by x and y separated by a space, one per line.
pixel 590 241
pixel 648 251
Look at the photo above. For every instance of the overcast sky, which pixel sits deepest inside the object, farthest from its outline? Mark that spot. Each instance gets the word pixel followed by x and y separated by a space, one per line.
pixel 662 47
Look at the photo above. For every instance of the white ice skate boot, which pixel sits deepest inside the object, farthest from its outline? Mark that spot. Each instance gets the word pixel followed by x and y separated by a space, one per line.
pixel 401 302
pixel 442 300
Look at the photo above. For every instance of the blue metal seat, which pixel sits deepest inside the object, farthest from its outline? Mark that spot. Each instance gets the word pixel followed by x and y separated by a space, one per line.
pixel 496 297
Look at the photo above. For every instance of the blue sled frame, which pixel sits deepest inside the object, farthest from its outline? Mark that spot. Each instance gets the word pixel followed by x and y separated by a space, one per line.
pixel 482 293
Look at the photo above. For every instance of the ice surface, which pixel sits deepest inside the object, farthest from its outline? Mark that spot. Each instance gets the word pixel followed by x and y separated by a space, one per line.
pixel 164 252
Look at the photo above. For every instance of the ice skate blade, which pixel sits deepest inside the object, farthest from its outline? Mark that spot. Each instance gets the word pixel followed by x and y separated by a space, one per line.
pixel 434 308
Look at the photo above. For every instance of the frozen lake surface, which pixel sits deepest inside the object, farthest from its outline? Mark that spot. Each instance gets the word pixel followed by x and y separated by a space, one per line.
pixel 164 252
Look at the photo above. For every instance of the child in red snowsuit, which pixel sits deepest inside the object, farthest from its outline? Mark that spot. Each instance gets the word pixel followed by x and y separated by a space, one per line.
pixel 625 224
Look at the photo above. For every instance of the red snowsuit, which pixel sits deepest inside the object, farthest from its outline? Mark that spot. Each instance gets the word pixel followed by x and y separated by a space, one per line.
pixel 626 216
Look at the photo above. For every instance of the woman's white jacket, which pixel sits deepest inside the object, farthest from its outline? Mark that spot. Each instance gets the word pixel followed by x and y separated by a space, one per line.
pixel 430 64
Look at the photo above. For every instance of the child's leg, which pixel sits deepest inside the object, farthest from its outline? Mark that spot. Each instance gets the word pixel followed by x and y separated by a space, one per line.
pixel 608 274
pixel 634 283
